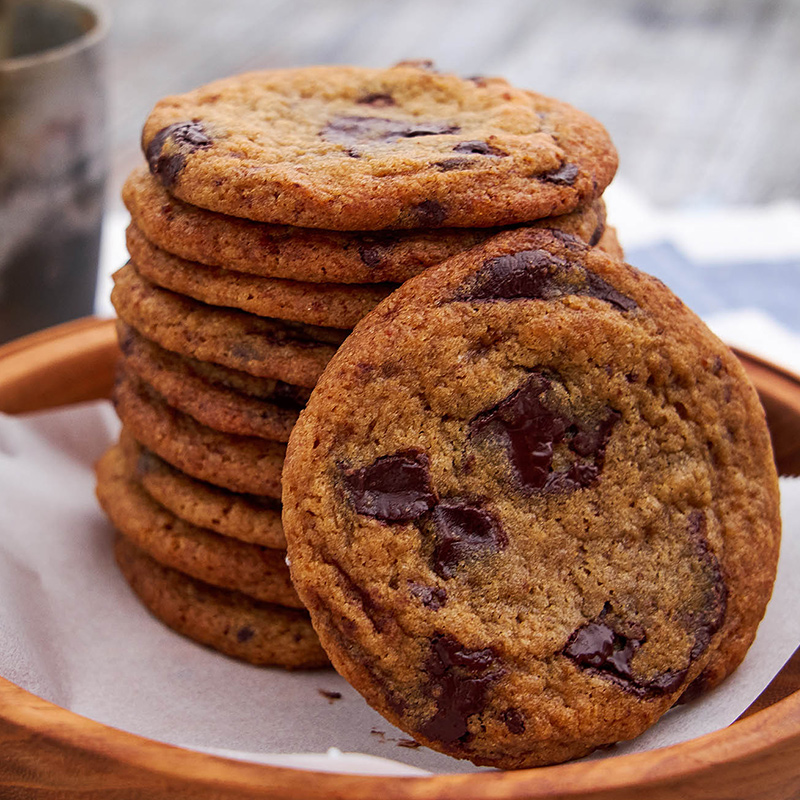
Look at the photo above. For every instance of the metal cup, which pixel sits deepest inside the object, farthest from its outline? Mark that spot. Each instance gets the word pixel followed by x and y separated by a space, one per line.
pixel 52 160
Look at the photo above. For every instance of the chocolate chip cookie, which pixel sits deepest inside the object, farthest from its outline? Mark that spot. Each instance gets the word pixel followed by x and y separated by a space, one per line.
pixel 308 254
pixel 240 463
pixel 347 148
pixel 329 304
pixel 237 625
pixel 253 570
pixel 251 518
pixel 211 404
pixel 531 500
pixel 267 348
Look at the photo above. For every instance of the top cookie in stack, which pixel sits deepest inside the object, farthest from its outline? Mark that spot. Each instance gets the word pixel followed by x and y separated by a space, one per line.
pixel 279 208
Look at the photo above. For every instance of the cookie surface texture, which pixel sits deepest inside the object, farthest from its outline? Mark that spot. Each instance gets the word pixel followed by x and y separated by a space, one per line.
pixel 531 500
pixel 347 148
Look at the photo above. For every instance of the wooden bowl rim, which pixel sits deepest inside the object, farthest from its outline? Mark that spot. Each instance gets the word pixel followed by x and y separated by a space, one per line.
pixel 746 740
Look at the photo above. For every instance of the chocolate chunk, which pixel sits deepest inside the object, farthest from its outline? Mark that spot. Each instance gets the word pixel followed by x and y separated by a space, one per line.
pixel 514 720
pixel 479 148
pixel 430 213
pixel 463 678
pixel 378 99
pixel 353 129
pixel 708 620
pixel 531 431
pixel 185 138
pixel 370 256
pixel 454 163
pixel 565 175
pixel 432 597
pixel 463 530
pixel 331 697
pixel 606 652
pixel 245 634
pixel 537 275
pixel 528 274
pixel 597 287
pixel 394 488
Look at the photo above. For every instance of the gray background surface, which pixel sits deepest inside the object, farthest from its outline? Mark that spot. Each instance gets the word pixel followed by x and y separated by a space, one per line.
pixel 702 97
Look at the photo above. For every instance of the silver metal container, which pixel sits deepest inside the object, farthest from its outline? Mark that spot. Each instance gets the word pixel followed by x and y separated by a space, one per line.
pixel 52 160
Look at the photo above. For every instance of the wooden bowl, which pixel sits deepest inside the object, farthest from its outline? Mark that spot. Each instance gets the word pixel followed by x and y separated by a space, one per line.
pixel 47 751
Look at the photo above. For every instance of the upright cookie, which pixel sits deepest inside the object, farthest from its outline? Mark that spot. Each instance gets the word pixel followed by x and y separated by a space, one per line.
pixel 260 633
pixel 309 254
pixel 267 348
pixel 346 148
pixel 256 571
pixel 239 463
pixel 530 501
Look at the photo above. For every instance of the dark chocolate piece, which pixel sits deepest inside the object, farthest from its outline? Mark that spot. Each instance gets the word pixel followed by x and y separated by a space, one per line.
pixel 463 530
pixel 479 148
pixel 531 431
pixel 432 597
pixel 245 634
pixel 537 275
pixel 354 130
pixel 186 138
pixel 430 213
pixel 514 720
pixel 565 175
pixel 394 488
pixel 331 697
pixel 606 652
pixel 463 678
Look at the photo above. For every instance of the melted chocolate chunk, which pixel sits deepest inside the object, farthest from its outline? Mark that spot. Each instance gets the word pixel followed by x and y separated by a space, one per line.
pixel 450 164
pixel 463 530
pixel 245 634
pixel 528 274
pixel 537 275
pixel 606 652
pixel 479 148
pixel 531 431
pixel 597 287
pixel 430 213
pixel 432 597
pixel 565 175
pixel 514 720
pixel 394 488
pixel 708 620
pixel 354 129
pixel 463 678
pixel 186 138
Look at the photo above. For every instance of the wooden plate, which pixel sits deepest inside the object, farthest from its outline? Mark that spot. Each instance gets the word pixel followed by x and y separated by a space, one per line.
pixel 47 751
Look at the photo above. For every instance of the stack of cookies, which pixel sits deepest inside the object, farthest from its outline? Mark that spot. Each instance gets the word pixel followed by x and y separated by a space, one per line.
pixel 278 209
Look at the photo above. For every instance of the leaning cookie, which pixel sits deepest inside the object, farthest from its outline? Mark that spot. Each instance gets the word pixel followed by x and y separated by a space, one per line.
pixel 531 500
pixel 237 625
pixel 347 148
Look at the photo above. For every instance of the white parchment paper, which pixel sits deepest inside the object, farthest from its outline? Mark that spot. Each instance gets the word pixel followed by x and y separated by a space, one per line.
pixel 73 633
